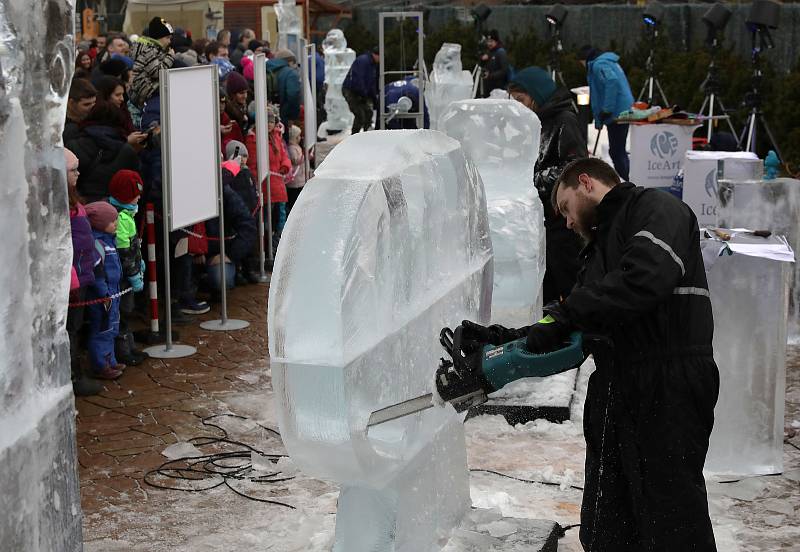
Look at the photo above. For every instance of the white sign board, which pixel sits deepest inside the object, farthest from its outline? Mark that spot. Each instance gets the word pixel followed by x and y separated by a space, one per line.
pixel 657 153
pixel 191 153
pixel 700 179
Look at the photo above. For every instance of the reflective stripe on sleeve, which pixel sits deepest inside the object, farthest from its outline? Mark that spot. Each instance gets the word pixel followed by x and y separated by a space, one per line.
pixel 691 291
pixel 663 245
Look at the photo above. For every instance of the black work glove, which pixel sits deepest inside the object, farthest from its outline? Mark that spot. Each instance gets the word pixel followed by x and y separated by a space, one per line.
pixel 549 333
pixel 475 337
pixel 605 117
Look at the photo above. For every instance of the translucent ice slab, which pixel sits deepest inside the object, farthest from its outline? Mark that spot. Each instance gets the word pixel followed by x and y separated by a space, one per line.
pixel 749 299
pixel 766 205
pixel 502 139
pixel 388 243
pixel 338 59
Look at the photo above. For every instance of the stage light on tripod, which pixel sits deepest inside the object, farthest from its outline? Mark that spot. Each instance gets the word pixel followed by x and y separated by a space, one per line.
pixel 764 14
pixel 481 13
pixel 653 14
pixel 717 16
pixel 556 15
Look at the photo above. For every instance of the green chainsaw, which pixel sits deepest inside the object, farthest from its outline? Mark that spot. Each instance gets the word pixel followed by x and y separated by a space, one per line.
pixel 467 378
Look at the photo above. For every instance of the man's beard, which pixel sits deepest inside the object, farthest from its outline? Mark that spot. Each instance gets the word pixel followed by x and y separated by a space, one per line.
pixel 585 219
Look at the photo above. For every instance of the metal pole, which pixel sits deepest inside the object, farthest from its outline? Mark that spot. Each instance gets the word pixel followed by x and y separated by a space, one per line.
pixel 262 159
pixel 306 86
pixel 168 350
pixel 313 49
pixel 381 68
pixel 421 67
pixel 710 118
pixel 224 323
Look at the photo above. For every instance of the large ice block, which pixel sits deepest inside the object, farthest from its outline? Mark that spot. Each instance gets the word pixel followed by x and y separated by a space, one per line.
pixel 502 139
pixel 338 59
pixel 39 496
pixel 448 82
pixel 766 205
pixel 749 296
pixel 388 243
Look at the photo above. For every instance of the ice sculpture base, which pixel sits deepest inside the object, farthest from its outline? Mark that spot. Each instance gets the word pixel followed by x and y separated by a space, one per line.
pixel 416 508
pixel 41 502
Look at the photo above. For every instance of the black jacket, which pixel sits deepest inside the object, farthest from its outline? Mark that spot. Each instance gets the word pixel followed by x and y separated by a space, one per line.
pixel 643 281
pixel 650 404
pixel 101 152
pixel 240 227
pixel 496 71
pixel 561 142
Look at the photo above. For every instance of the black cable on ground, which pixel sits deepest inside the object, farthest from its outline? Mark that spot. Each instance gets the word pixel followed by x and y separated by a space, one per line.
pixel 551 483
pixel 221 468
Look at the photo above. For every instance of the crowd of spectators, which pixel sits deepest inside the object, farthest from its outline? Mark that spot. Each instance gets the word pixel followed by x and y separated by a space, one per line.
pixel 113 160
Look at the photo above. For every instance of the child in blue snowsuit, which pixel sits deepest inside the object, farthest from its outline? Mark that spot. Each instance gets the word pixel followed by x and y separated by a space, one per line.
pixel 104 317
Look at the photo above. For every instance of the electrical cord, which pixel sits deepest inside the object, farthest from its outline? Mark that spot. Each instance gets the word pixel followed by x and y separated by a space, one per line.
pixel 220 467
pixel 551 483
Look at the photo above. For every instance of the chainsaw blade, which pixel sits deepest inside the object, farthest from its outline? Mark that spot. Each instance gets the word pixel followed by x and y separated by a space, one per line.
pixel 399 410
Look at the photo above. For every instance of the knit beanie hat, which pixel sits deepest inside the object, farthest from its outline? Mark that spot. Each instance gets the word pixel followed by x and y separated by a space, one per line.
pixel 101 214
pixel 235 83
pixel 158 28
pixel 230 149
pixel 536 82
pixel 125 186
pixel 253 44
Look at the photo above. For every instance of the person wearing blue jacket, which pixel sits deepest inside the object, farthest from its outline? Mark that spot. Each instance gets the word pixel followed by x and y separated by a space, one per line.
pixel 360 89
pixel 284 67
pixel 610 95
pixel 409 89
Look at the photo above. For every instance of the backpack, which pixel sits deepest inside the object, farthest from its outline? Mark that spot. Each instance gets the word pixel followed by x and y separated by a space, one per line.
pixel 273 96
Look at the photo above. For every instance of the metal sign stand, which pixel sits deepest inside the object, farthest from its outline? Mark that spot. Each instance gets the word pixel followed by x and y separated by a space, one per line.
pixel 262 157
pixel 225 323
pixel 168 349
pixel 308 84
pixel 418 72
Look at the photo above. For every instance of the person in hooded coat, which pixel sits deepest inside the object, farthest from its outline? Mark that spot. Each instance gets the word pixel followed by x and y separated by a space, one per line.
pixel 561 142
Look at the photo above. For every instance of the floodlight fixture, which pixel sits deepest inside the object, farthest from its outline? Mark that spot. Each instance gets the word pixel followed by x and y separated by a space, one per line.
pixel 653 14
pixel 481 13
pixel 764 14
pixel 556 15
pixel 716 18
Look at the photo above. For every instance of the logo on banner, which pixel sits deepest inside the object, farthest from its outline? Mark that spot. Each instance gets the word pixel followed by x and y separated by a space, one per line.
pixel 711 184
pixel 664 145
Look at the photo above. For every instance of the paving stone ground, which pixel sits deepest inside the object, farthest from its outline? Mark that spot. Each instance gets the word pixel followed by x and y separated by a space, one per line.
pixel 122 432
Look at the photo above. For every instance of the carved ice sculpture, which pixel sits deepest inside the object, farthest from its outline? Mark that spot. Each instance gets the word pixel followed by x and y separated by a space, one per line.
pixel 39 480
pixel 502 139
pixel 290 28
pixel 338 59
pixel 389 243
pixel 448 82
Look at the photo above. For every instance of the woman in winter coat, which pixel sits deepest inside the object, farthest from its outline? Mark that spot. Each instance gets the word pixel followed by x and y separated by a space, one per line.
pixel 113 90
pixel 104 147
pixel 228 128
pixel 84 259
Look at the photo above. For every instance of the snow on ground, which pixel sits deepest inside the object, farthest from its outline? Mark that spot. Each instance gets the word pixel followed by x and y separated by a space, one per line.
pixel 756 514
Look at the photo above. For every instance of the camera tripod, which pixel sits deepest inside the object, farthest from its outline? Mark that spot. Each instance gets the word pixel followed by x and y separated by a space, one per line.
pixel 651 84
pixel 711 86
pixel 747 139
pixel 554 65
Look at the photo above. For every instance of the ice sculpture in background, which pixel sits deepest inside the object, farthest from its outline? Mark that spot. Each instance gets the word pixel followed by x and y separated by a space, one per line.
pixel 772 205
pixel 290 28
pixel 389 243
pixel 502 139
pixel 39 480
pixel 448 82
pixel 338 59
pixel 749 299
